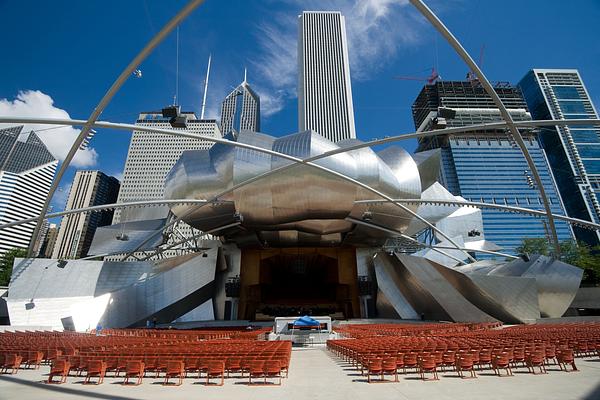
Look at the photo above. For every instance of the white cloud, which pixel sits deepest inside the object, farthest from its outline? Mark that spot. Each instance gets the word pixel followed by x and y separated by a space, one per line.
pixel 118 175
pixel 276 62
pixel 34 103
pixel 59 200
pixel 376 29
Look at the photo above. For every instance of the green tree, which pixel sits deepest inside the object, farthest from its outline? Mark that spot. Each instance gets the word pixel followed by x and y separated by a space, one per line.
pixel 534 246
pixel 6 264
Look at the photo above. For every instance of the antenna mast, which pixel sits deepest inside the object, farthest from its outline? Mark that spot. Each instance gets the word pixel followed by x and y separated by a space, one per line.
pixel 205 87
pixel 176 71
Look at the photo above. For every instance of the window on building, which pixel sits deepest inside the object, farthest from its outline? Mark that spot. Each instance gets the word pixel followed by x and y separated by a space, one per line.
pixel 566 92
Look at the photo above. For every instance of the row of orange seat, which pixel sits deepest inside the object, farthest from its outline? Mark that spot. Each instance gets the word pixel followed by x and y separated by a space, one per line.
pixel 137 353
pixel 387 349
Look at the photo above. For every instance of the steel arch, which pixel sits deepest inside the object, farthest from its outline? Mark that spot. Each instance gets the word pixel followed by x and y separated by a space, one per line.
pixel 129 127
pixel 114 88
pixel 451 39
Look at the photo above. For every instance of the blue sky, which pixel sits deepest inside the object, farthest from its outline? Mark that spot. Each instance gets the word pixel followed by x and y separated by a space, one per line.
pixel 60 57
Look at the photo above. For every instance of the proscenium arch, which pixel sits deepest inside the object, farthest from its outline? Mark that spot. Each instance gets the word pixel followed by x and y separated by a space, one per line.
pixel 451 39
pixel 114 88
pixel 130 127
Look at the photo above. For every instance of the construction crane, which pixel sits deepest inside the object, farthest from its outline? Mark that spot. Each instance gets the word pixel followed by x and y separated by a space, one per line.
pixel 429 79
pixel 471 77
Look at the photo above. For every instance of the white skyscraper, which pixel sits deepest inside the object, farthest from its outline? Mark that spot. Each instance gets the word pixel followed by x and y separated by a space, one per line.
pixel 27 170
pixel 324 89
pixel 151 156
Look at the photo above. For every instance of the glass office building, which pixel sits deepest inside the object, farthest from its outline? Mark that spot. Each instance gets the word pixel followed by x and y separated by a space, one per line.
pixel 573 151
pixel 487 165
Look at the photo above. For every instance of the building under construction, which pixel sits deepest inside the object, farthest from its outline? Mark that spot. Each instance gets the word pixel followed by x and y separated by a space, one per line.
pixel 486 165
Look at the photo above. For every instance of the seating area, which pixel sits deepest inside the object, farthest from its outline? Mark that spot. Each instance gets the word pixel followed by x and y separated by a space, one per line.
pixel 138 355
pixel 464 350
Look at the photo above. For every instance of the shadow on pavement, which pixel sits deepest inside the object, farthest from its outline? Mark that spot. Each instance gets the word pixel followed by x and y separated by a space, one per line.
pixel 594 394
pixel 62 389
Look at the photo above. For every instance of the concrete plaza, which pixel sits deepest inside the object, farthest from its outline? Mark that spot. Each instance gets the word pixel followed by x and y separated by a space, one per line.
pixel 317 374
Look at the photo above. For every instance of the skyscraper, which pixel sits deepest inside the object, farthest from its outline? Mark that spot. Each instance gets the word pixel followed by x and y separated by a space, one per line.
pixel 324 88
pixel 573 151
pixel 89 188
pixel 151 156
pixel 27 170
pixel 486 165
pixel 241 109
pixel 49 241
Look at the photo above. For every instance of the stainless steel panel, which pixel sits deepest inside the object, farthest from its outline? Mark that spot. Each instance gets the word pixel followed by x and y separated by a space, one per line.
pixel 509 299
pixel 446 257
pixel 389 283
pixel 105 238
pixel 428 279
pixel 430 212
pixel 302 199
pixel 557 282
pixel 116 294
pixel 428 163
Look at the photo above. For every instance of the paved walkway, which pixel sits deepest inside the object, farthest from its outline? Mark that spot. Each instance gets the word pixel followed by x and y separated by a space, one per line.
pixel 316 374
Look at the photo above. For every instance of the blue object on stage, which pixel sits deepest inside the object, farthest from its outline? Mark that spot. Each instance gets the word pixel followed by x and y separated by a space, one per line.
pixel 306 321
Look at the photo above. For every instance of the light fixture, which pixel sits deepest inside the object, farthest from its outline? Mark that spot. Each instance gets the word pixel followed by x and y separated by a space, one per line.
pixel 122 236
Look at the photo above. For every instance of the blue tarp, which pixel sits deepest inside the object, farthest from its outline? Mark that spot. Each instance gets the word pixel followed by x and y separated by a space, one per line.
pixel 306 321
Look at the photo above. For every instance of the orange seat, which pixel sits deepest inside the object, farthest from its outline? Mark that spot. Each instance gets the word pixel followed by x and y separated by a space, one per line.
pixel 255 370
pixel 550 354
pixel 411 361
pixel 134 369
pixel 60 368
pixel 390 366
pixel 202 366
pixel 518 356
pixel 34 359
pixel 428 364
pixel 191 365
pixel 501 361
pixel 485 358
pixel 174 369
pixel 449 360
pixel 215 369
pixel 12 362
pixel 565 357
pixel 151 364
pixel 464 362
pixel 272 370
pixel 536 359
pixel 95 368
pixel 233 364
pixel 374 367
